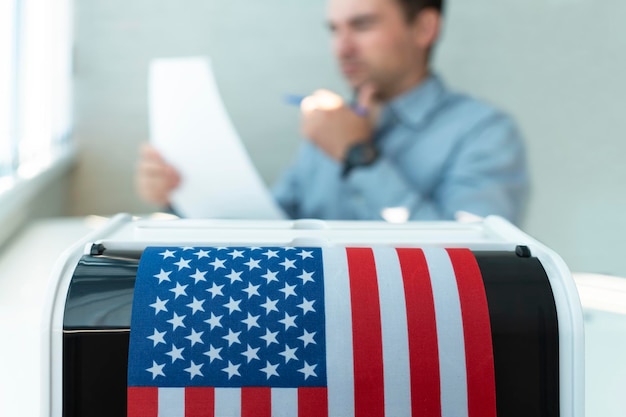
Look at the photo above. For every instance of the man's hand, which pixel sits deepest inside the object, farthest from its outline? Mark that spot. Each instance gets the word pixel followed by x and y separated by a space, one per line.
pixel 155 179
pixel 334 126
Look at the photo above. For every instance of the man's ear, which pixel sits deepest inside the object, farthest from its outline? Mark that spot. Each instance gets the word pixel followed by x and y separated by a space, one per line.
pixel 427 25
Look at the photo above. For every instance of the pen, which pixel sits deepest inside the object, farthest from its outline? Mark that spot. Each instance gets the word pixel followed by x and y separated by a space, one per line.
pixel 296 99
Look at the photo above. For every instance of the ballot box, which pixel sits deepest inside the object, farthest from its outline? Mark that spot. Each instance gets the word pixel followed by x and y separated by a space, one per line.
pixel 314 318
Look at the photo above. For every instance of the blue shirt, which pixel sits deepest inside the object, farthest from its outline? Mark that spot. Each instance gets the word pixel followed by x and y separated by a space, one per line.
pixel 440 152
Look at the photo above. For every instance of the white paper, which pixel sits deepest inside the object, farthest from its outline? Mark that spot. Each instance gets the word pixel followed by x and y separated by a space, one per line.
pixel 193 132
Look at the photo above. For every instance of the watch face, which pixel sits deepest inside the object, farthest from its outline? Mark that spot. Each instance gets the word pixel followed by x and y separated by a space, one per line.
pixel 363 153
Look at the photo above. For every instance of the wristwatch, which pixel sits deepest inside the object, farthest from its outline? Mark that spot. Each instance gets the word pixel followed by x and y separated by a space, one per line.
pixel 358 155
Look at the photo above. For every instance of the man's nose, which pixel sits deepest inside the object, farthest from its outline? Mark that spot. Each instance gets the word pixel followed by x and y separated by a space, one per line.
pixel 344 44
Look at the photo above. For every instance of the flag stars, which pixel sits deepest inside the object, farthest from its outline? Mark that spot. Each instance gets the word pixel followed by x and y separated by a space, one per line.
pixel 202 254
pixel 214 321
pixel 185 248
pixel 156 370
pixel 288 321
pixel 252 290
pixel 179 290
pixel 251 321
pixel 234 276
pixel 198 276
pixel 232 337
pixel 288 290
pixel 271 254
pixel 270 370
pixel 176 353
pixel 251 354
pixel 215 290
pixel 270 337
pixel 270 276
pixel 167 254
pixel 308 370
pixel 236 254
pixel 183 263
pixel 218 263
pixel 288 264
pixel 306 277
pixel 307 338
pixel 196 306
pixel 269 305
pixel 253 263
pixel 289 353
pixel 304 254
pixel 177 321
pixel 157 337
pixel 232 370
pixel 232 305
pixel 194 370
pixel 159 305
pixel 195 337
pixel 163 276
pixel 306 306
pixel 213 353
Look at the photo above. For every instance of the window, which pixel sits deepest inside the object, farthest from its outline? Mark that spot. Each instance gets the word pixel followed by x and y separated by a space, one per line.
pixel 35 70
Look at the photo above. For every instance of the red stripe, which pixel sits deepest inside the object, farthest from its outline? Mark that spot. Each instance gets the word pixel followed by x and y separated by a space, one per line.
pixel 481 385
pixel 312 402
pixel 256 402
pixel 199 402
pixel 422 332
pixel 369 399
pixel 143 402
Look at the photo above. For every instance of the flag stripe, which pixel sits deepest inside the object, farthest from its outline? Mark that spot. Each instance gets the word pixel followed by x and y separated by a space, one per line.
pixel 171 402
pixel 366 333
pixel 394 331
pixel 422 330
pixel 199 402
pixel 339 356
pixel 312 402
pixel 227 402
pixel 452 374
pixel 256 402
pixel 284 402
pixel 481 389
pixel 142 401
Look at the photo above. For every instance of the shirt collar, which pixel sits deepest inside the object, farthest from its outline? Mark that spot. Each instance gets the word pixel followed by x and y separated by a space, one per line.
pixel 415 105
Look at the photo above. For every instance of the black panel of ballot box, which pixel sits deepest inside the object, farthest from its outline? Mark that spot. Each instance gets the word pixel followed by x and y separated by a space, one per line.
pixel 521 306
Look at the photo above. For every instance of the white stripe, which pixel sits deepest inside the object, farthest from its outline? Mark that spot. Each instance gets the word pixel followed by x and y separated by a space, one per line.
pixel 227 402
pixel 397 369
pixel 339 358
pixel 171 402
pixel 453 373
pixel 284 402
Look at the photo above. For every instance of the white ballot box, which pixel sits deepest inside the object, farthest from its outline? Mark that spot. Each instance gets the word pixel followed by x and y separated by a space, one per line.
pixel 313 318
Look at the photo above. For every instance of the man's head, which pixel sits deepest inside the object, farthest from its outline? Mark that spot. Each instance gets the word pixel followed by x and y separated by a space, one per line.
pixel 384 43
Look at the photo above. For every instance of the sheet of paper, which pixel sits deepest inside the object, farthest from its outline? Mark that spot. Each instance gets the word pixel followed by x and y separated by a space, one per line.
pixel 190 127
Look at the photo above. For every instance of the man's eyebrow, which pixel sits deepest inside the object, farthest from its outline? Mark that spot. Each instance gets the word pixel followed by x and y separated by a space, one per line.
pixel 358 20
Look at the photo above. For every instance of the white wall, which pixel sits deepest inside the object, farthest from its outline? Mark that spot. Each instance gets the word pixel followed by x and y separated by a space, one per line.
pixel 556 65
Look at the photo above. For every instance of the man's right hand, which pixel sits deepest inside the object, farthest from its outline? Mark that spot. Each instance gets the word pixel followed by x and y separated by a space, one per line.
pixel 155 179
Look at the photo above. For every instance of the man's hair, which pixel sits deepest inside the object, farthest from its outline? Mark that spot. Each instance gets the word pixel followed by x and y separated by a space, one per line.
pixel 413 7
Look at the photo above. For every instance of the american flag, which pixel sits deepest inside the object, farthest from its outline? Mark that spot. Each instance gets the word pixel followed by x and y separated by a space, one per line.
pixel 279 331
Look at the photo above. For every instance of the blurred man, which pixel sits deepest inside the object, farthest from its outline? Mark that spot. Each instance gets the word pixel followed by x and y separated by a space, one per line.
pixel 406 149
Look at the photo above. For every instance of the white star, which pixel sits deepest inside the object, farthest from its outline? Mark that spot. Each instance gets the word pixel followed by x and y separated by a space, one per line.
pixel 306 306
pixel 214 321
pixel 159 305
pixel 254 248
pixel 288 290
pixel 177 321
pixel 198 276
pixel 308 338
pixel 179 290
pixel 232 305
pixel 156 370
pixel 269 305
pixel 271 254
pixel 288 321
pixel 289 353
pixel 236 254
pixel 222 248
pixel 195 337
pixel 202 254
pixel 176 353
pixel 251 321
pixel 184 248
pixel 167 254
pixel 286 248
pixel 163 276
pixel 234 276
pixel 183 263
pixel 217 264
pixel 253 263
pixel 194 370
pixel 213 353
pixel 270 337
pixel 157 337
pixel 306 277
pixel 215 290
pixel 196 306
pixel 270 276
pixel 289 263
pixel 306 254
pixel 251 353
pixel 232 337
pixel 308 370
pixel 231 370
pixel 252 290
pixel 270 370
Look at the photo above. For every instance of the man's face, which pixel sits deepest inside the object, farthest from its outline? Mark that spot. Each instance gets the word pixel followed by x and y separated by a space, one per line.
pixel 374 44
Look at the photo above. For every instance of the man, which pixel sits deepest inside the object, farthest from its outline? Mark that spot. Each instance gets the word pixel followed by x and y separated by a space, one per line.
pixel 408 149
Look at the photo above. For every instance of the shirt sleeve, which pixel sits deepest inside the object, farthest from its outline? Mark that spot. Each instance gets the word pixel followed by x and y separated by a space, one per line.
pixel 485 174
